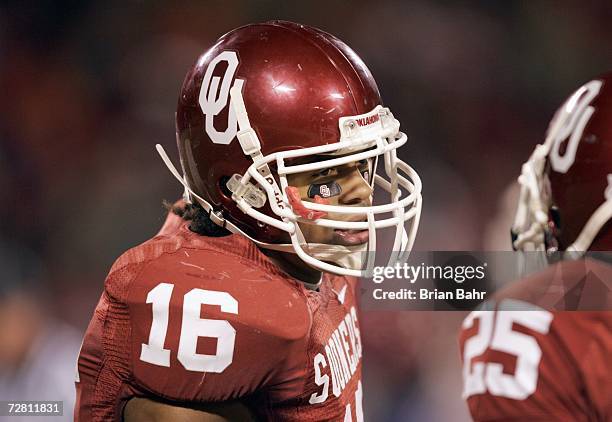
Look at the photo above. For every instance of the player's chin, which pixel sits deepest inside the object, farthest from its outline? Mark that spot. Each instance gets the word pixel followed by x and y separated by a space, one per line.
pixel 350 237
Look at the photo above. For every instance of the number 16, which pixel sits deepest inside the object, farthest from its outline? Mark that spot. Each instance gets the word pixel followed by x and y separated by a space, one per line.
pixel 192 327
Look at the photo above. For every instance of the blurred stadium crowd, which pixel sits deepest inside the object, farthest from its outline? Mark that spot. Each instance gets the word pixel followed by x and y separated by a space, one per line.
pixel 88 88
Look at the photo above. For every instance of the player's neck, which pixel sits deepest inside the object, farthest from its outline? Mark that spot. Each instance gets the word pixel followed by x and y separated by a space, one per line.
pixel 294 266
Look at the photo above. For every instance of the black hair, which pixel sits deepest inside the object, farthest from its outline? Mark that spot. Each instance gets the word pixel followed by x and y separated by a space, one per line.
pixel 199 217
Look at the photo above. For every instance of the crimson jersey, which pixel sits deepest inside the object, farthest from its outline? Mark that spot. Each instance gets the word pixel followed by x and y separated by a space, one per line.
pixel 194 319
pixel 543 363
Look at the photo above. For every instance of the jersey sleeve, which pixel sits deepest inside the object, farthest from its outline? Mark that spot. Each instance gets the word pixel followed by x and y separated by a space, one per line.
pixel 537 365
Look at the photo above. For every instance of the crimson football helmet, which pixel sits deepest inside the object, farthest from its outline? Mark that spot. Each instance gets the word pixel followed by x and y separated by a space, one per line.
pixel 566 185
pixel 267 94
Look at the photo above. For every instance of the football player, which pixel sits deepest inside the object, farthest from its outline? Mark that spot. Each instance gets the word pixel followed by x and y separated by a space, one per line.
pixel 531 358
pixel 246 306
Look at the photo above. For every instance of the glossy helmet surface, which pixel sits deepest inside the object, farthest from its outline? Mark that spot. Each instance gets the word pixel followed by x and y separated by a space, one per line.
pixel 264 94
pixel 566 194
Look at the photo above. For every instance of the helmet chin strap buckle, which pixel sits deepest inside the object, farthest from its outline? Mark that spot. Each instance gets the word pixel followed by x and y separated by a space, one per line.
pixel 293 194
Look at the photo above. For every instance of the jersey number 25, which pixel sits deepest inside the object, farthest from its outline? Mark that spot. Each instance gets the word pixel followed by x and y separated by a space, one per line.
pixel 495 333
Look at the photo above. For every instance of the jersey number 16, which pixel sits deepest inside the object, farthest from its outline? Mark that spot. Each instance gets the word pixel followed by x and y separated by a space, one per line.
pixel 192 327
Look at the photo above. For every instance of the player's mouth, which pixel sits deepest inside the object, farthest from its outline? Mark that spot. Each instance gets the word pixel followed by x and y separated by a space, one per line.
pixel 350 237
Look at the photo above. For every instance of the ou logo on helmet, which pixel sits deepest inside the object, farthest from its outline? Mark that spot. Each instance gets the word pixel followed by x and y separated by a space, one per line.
pixel 214 97
pixel 571 120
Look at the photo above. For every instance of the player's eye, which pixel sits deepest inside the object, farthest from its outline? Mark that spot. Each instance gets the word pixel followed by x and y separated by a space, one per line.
pixel 364 168
pixel 364 164
pixel 324 172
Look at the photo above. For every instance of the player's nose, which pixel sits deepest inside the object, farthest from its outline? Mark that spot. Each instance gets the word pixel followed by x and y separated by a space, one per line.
pixel 355 190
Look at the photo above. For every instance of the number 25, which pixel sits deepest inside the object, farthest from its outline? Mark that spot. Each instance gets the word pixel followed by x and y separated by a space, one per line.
pixel 192 327
pixel 495 332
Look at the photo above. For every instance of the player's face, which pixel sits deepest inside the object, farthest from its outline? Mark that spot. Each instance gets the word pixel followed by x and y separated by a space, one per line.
pixel 343 185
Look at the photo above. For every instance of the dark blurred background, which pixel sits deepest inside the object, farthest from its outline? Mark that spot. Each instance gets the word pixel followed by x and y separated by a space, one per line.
pixel 88 88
